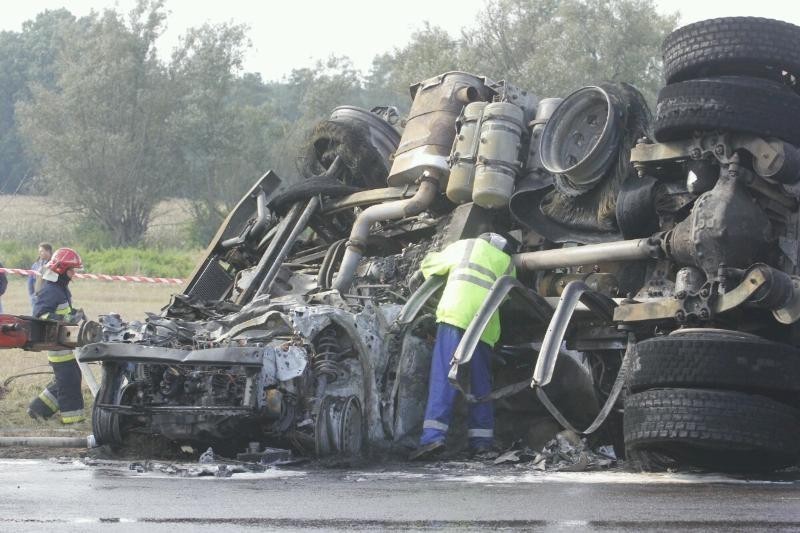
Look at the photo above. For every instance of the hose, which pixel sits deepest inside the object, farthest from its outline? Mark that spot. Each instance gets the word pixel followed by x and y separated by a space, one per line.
pixel 45 442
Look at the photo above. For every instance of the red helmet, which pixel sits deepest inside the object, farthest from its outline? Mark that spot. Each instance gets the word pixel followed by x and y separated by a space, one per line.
pixel 63 259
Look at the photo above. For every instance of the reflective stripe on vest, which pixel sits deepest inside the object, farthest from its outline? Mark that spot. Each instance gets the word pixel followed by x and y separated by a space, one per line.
pixel 483 270
pixel 472 267
pixel 472 279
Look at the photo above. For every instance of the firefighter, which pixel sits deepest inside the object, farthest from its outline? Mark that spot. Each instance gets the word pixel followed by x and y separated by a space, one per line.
pixel 471 266
pixel 54 302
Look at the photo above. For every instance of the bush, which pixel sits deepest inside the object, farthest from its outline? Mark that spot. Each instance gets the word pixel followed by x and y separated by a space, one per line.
pixel 119 261
pixel 18 255
pixel 137 261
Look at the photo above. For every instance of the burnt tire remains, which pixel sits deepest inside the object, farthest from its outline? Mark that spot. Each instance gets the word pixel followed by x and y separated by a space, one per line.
pixel 719 430
pixel 105 422
pixel 760 107
pixel 364 167
pixel 732 45
pixel 717 360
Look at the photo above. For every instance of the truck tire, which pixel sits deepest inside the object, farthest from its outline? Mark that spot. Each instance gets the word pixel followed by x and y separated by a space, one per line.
pixel 732 45
pixel 363 165
pixel 760 107
pixel 717 359
pixel 106 423
pixel 718 430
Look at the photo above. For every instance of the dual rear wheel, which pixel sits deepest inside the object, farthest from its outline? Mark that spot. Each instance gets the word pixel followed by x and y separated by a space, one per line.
pixel 713 399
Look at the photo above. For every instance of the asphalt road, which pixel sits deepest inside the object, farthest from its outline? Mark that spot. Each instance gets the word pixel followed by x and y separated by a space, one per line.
pixel 69 495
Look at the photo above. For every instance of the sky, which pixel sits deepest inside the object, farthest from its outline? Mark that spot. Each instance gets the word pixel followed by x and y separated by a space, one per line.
pixel 289 34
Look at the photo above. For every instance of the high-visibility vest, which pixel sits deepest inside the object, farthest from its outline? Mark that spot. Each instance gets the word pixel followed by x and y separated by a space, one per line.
pixel 471 266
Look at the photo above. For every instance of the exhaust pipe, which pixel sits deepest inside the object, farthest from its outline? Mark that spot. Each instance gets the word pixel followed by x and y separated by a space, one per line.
pixel 357 243
pixel 630 250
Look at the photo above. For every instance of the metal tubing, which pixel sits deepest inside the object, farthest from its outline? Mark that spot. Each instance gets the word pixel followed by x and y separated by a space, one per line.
pixel 89 378
pixel 45 442
pixel 574 292
pixel 261 214
pixel 630 250
pixel 420 298
pixel 392 211
pixel 283 226
pixel 371 196
pixel 622 376
pixel 301 224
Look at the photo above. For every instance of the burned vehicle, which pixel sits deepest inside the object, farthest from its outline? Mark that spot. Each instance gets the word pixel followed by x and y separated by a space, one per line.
pixel 656 302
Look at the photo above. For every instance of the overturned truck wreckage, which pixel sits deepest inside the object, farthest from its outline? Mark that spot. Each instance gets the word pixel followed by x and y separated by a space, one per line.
pixel 656 302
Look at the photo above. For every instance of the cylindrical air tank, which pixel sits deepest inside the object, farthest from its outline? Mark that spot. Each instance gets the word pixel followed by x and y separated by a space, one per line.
pixel 464 154
pixel 498 155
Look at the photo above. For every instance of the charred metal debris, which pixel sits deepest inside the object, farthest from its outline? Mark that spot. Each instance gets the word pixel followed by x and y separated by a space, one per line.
pixel 658 278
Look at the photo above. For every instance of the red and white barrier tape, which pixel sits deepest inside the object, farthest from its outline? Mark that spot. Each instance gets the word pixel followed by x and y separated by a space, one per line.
pixel 102 277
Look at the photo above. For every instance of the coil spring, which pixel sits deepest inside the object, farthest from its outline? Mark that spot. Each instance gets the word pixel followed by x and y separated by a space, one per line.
pixel 327 349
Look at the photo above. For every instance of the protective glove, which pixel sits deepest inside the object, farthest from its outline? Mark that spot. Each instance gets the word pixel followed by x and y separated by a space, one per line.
pixel 77 316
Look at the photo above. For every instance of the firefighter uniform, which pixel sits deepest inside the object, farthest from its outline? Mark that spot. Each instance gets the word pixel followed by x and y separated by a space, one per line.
pixel 471 266
pixel 63 394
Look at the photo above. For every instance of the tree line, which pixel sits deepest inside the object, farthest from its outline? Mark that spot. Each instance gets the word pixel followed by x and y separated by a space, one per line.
pixel 93 114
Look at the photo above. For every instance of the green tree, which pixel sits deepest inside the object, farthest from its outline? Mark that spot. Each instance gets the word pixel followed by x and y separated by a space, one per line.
pixel 306 97
pixel 213 128
pixel 104 133
pixel 555 46
pixel 431 51
pixel 25 57
pixel 330 83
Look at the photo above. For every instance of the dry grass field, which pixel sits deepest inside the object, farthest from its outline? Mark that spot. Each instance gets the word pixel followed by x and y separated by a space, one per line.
pixel 32 219
pixel 130 300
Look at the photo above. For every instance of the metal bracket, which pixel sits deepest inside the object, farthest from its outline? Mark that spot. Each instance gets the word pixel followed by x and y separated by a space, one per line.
pixel 769 155
pixel 668 308
pixel 603 306
pixel 420 297
pixel 790 312
pixel 697 305
pixel 501 288
pixel 574 292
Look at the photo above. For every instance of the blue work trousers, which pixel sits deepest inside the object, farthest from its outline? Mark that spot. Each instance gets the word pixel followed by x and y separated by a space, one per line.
pixel 442 395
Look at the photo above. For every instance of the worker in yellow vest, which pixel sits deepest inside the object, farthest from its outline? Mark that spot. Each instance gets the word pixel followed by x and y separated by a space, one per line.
pixel 471 267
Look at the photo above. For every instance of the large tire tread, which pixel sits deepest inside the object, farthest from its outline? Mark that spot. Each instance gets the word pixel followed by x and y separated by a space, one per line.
pixel 713 361
pixel 760 107
pixel 732 45
pixel 720 430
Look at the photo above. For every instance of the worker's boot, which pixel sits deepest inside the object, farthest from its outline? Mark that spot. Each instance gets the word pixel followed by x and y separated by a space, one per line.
pixel 36 416
pixel 485 453
pixel 45 404
pixel 428 451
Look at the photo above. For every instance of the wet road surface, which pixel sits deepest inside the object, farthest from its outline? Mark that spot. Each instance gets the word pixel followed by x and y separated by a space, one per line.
pixel 69 495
